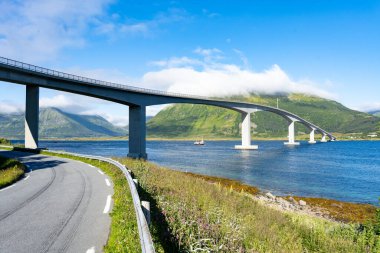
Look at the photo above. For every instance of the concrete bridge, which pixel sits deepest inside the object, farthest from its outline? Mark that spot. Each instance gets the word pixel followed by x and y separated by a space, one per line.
pixel 136 98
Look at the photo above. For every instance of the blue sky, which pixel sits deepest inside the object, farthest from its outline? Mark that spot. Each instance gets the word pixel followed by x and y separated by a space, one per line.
pixel 325 48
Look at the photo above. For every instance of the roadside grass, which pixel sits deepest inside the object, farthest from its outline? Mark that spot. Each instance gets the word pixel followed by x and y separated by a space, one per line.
pixel 192 215
pixel 11 170
pixel 4 141
pixel 124 236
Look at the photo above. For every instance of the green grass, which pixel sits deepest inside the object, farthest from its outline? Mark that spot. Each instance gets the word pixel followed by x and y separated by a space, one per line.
pixel 10 171
pixel 190 214
pixel 4 141
pixel 124 236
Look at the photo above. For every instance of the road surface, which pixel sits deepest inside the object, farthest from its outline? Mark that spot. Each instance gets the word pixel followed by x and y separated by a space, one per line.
pixel 60 205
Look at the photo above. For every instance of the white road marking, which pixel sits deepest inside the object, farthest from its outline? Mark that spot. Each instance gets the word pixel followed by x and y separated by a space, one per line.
pixel 101 172
pixel 26 177
pixel 91 250
pixel 108 182
pixel 108 204
pixel 6 188
pixel 92 166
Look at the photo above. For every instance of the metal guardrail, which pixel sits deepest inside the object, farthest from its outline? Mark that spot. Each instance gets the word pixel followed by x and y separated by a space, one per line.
pixel 144 233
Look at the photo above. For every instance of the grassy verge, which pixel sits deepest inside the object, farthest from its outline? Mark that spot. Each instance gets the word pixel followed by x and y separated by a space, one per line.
pixel 4 141
pixel 10 171
pixel 124 236
pixel 192 215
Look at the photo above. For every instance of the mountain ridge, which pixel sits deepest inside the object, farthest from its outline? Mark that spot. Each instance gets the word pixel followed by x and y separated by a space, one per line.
pixel 214 122
pixel 55 123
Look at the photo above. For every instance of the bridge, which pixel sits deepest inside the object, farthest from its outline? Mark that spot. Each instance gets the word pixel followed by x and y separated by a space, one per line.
pixel 137 99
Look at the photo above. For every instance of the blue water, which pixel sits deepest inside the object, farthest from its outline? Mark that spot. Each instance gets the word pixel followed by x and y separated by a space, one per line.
pixel 342 170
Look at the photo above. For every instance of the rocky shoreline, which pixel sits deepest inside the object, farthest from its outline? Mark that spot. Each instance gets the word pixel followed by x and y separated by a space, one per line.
pixel 292 205
pixel 330 209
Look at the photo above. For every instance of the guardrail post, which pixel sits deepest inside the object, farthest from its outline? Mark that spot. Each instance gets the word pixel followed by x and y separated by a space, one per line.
pixel 136 182
pixel 146 210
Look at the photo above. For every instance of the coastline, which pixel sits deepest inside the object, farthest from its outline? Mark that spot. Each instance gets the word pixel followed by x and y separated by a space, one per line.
pixel 331 209
pixel 193 138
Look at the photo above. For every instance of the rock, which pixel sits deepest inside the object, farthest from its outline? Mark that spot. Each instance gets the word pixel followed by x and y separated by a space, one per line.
pixel 293 201
pixel 302 203
pixel 270 196
pixel 336 205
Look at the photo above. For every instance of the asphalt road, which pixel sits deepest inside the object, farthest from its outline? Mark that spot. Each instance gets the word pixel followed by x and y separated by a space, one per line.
pixel 61 205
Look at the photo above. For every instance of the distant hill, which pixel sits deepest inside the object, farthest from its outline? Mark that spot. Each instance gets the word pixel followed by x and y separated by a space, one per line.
pixel 186 120
pixel 55 123
pixel 375 113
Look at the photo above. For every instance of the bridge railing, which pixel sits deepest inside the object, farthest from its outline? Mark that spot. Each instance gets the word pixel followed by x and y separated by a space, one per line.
pixel 59 74
pixel 91 81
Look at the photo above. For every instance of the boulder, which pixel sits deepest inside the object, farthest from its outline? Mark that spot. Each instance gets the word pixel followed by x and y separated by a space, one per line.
pixel 302 202
pixel 270 196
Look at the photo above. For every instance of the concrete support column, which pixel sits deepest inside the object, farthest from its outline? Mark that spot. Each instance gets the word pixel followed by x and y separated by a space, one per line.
pixel 246 133
pixel 312 139
pixel 31 116
pixel 137 132
pixel 323 138
pixel 291 134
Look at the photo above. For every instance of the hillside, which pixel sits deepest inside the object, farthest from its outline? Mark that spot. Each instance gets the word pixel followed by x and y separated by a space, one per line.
pixel 55 123
pixel 185 120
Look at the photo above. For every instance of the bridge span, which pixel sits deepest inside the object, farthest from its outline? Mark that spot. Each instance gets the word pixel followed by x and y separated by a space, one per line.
pixel 136 98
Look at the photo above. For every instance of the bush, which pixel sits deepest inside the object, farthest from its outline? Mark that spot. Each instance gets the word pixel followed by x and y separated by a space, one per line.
pixel 10 171
pixel 4 141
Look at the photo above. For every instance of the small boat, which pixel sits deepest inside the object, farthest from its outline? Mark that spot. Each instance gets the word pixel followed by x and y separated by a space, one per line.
pixel 201 142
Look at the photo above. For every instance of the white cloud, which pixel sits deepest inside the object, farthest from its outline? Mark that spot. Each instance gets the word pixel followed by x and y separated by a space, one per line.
pixel 117 26
pixel 142 28
pixel 209 54
pixel 116 120
pixel 36 30
pixel 242 57
pixel 10 107
pixel 368 107
pixel 72 103
pixel 209 77
pixel 176 62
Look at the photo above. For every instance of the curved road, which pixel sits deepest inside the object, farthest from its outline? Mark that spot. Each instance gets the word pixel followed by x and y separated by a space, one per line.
pixel 61 205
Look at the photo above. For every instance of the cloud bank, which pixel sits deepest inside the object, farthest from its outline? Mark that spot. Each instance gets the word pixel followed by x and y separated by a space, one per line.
pixel 210 77
pixel 7 107
pixel 369 107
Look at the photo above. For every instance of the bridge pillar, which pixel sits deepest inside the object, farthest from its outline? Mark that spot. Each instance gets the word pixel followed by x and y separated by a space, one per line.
pixel 312 135
pixel 291 134
pixel 323 138
pixel 137 132
pixel 246 132
pixel 31 116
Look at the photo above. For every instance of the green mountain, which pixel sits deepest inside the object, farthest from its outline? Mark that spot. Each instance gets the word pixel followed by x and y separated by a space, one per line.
pixel 55 123
pixel 186 120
